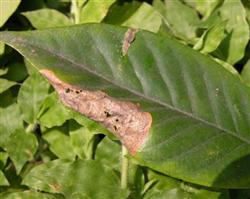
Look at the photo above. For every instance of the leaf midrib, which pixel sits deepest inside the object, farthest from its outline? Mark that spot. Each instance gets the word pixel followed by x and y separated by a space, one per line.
pixel 66 59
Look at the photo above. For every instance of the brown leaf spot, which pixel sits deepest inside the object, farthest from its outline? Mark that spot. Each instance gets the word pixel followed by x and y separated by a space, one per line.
pixel 55 187
pixel 124 119
pixel 128 39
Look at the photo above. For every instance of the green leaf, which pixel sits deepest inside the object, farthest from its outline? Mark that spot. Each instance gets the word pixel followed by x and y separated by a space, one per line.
pixel 16 72
pixel 7 8
pixel 28 195
pixel 227 66
pixel 200 120
pixel 204 7
pixel 2 47
pixel 21 147
pixel 166 187
pixel 46 18
pixel 3 71
pixel 175 13
pixel 79 179
pixel 81 139
pixel 53 112
pixel 59 142
pixel 233 47
pixel 136 15
pixel 103 151
pixel 31 95
pixel 3 159
pixel 211 38
pixel 5 84
pixel 95 11
pixel 245 74
pixel 10 119
pixel 3 180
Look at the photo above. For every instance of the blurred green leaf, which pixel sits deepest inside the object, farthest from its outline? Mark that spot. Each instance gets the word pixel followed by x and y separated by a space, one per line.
pixel 104 150
pixel 205 8
pixel 227 66
pixel 2 47
pixel 53 112
pixel 182 19
pixel 3 158
pixel 79 179
pixel 136 15
pixel 95 11
pixel 21 147
pixel 3 180
pixel 167 187
pixel 16 72
pixel 5 84
pixel 3 71
pixel 28 195
pixel 211 38
pixel 31 96
pixel 46 18
pixel 10 119
pixel 233 46
pixel 81 139
pixel 7 8
pixel 59 142
pixel 245 74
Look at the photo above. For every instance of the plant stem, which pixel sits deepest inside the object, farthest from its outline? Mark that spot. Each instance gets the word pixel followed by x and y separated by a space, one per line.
pixel 75 11
pixel 30 128
pixel 124 168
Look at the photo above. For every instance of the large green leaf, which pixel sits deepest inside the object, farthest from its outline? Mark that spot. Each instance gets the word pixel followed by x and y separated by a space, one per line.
pixel 79 179
pixel 200 111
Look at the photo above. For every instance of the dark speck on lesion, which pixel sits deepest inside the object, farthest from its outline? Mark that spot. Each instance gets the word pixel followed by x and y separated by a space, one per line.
pixel 67 90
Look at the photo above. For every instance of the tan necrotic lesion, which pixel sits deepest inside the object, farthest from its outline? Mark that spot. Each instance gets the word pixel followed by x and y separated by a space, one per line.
pixel 124 119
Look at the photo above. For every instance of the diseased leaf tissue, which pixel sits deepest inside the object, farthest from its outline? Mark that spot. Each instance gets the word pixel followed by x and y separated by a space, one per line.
pixel 124 119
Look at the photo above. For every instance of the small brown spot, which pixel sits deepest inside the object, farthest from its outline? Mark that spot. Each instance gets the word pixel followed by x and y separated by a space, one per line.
pixel 123 118
pixel 128 39
pixel 67 90
pixel 77 92
pixel 55 187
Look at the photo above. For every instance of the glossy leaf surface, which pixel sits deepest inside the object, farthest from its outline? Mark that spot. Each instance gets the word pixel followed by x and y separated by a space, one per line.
pixel 201 121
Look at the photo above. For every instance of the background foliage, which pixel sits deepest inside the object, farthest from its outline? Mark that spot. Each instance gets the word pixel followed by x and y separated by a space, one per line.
pixel 40 139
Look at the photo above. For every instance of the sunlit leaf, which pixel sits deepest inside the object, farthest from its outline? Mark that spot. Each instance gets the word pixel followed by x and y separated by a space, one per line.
pixel 46 18
pixel 233 46
pixel 79 179
pixel 95 11
pixel 21 147
pixel 31 95
pixel 3 180
pixel 53 112
pixel 136 15
pixel 10 119
pixel 5 84
pixel 211 38
pixel 7 8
